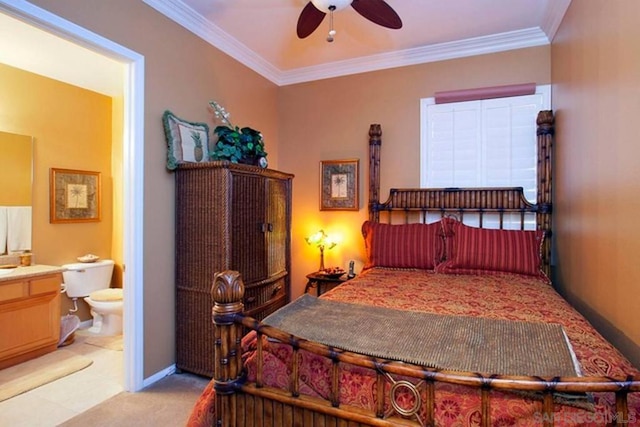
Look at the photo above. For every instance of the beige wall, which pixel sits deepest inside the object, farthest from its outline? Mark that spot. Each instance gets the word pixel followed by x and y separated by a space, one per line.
pixel 182 73
pixel 596 88
pixel 329 120
pixel 71 128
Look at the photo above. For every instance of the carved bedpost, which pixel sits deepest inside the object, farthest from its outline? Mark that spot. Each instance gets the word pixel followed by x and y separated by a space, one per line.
pixel 375 134
pixel 545 133
pixel 227 292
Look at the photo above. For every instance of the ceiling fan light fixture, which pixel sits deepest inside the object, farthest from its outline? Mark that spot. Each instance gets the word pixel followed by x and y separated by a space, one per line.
pixel 332 32
pixel 325 5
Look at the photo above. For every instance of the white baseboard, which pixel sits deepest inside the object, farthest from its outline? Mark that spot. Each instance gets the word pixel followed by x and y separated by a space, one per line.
pixel 158 376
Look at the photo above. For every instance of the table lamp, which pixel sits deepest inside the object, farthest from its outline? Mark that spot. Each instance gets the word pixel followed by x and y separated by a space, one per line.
pixel 322 241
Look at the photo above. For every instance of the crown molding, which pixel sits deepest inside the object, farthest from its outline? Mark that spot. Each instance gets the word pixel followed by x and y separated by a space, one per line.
pixel 555 12
pixel 421 55
pixel 182 14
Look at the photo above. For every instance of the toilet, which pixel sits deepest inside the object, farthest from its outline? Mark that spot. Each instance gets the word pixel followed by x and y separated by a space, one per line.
pixel 91 281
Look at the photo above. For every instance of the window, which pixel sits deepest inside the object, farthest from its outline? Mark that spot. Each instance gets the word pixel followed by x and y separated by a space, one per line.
pixel 485 143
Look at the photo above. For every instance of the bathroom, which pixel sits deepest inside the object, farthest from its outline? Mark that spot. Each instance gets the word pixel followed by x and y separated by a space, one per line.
pixel 66 127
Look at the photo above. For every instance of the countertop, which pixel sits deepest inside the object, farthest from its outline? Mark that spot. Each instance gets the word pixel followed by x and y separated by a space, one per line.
pixel 28 272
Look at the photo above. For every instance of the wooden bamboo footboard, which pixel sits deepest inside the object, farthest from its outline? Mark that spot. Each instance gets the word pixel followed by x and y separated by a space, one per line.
pixel 239 403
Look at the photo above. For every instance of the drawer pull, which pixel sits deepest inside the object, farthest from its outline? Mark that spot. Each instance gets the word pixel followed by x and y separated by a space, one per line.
pixel 266 227
pixel 250 300
pixel 276 289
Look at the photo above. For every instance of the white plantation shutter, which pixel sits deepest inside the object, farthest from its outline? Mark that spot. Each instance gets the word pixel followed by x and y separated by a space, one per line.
pixel 453 153
pixel 485 143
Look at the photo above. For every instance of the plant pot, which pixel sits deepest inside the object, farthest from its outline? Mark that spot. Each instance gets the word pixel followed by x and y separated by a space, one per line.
pixel 260 161
pixel 250 160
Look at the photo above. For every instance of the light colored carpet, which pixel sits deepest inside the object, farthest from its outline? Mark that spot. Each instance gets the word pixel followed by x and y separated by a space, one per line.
pixel 167 402
pixel 109 342
pixel 33 373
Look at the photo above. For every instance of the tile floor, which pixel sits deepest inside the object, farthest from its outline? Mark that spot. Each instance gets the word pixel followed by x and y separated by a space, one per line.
pixel 56 402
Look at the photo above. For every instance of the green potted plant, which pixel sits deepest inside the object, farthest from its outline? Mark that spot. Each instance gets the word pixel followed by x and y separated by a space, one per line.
pixel 237 145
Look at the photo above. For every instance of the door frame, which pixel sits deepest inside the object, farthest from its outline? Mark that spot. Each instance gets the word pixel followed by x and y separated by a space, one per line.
pixel 132 170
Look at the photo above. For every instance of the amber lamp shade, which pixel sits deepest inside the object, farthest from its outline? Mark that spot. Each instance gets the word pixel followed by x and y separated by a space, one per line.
pixel 322 241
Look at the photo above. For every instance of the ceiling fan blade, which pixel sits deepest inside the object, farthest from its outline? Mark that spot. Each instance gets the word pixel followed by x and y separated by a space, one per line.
pixel 379 12
pixel 309 19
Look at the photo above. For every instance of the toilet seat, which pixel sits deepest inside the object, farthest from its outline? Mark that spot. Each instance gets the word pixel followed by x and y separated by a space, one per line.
pixel 107 295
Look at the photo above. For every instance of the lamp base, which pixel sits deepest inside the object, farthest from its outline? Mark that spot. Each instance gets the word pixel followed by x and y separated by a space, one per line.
pixel 321 259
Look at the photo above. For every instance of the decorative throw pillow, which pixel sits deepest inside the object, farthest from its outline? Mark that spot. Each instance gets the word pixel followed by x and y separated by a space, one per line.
pixel 472 250
pixel 403 245
pixel 187 141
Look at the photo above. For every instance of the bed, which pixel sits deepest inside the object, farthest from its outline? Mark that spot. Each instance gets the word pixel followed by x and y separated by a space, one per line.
pixel 449 324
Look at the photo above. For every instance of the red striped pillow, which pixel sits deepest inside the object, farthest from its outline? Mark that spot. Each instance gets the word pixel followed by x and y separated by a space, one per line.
pixel 403 245
pixel 471 250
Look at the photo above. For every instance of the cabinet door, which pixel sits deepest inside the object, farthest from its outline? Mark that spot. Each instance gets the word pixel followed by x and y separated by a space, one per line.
pixel 277 220
pixel 248 227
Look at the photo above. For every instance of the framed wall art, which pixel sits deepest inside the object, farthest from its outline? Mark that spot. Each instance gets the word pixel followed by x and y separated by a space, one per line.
pixel 74 196
pixel 339 185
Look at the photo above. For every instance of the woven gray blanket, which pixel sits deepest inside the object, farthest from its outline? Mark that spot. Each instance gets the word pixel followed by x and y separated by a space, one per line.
pixel 458 343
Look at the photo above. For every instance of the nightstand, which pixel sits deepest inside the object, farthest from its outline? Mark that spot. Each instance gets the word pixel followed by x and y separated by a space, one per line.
pixel 323 283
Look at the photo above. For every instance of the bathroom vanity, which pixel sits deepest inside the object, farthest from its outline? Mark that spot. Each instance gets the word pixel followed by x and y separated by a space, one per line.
pixel 29 313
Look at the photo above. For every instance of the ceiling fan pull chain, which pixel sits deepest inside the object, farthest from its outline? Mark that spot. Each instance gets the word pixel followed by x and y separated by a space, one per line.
pixel 332 32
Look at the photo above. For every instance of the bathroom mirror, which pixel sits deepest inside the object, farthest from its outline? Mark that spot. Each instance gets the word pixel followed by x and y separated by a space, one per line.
pixel 16 177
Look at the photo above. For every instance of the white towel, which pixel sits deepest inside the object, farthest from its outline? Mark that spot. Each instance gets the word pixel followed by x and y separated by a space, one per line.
pixel 19 228
pixel 3 229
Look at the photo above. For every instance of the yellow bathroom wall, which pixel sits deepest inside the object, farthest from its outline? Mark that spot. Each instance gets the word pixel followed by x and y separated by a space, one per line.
pixel 117 196
pixel 15 169
pixel 72 129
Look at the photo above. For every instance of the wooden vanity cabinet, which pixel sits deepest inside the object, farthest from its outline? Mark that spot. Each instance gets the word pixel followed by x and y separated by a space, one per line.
pixel 29 317
pixel 228 217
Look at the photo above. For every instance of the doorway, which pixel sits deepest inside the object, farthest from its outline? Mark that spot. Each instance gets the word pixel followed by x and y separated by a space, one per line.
pixel 132 170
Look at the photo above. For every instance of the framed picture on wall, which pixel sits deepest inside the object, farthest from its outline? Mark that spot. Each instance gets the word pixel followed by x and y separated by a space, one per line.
pixel 74 196
pixel 339 185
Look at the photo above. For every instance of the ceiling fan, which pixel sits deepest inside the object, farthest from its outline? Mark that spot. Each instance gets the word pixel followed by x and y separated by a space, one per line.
pixel 377 11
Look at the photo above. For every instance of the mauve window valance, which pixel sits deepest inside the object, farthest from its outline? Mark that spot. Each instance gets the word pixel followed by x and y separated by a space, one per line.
pixel 485 93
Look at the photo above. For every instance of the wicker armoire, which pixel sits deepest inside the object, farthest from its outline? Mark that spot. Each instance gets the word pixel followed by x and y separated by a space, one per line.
pixel 228 217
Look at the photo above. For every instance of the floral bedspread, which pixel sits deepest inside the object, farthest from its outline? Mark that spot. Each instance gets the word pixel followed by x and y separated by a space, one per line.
pixel 508 296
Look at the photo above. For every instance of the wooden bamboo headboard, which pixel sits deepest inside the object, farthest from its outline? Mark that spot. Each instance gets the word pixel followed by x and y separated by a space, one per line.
pixel 415 203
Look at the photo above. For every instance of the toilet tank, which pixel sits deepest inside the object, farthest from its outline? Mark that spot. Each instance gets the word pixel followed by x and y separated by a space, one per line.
pixel 80 279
